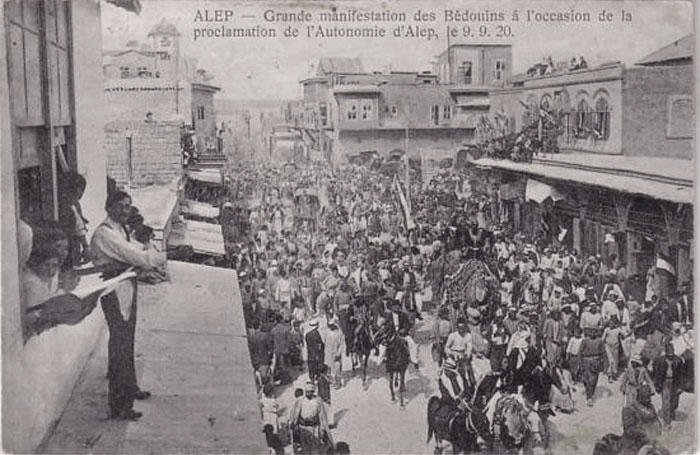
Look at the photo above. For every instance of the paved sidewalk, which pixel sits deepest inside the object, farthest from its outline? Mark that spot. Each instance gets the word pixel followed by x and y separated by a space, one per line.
pixel 192 355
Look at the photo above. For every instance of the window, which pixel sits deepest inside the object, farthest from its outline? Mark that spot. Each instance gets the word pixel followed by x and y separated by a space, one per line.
pixel 40 79
pixel 465 72
pixel 124 71
pixel 446 111
pixel 435 114
pixel 394 111
pixel 367 111
pixel 352 112
pixel 324 114
pixel 200 113
pixel 582 120
pixel 499 69
pixel 40 123
pixel 601 120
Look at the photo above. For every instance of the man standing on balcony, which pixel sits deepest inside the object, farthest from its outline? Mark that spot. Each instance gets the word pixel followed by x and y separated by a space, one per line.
pixel 112 248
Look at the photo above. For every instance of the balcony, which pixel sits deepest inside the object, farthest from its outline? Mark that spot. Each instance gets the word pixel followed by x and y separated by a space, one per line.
pixel 192 355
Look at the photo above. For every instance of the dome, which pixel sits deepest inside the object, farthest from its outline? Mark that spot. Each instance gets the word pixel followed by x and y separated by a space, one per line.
pixel 164 28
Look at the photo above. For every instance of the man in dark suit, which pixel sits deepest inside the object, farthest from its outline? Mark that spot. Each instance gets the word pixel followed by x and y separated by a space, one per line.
pixel 666 377
pixel 684 304
pixel 399 320
pixel 260 346
pixel 315 349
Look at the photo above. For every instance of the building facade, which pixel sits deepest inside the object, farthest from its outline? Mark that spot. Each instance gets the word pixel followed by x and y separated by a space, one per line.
pixel 349 112
pixel 622 183
pixel 45 129
pixel 157 77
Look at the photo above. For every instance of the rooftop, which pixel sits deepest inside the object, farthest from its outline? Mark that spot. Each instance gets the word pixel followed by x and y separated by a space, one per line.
pixel 339 65
pixel 681 49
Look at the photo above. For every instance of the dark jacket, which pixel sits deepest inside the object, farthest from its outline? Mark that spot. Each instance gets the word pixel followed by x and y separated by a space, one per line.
pixel 659 370
pixel 260 348
pixel 404 322
pixel 281 338
pixel 315 347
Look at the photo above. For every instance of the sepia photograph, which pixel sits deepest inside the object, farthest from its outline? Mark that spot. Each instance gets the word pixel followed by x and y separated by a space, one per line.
pixel 343 227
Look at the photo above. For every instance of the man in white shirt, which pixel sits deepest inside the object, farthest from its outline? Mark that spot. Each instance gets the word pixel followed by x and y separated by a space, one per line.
pixel 459 343
pixel 111 248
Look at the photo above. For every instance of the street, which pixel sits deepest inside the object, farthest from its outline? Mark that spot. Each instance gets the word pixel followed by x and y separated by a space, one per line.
pixel 371 424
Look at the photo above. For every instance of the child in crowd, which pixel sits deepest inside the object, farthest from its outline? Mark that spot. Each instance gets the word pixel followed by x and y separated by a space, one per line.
pixel 572 355
pixel 611 337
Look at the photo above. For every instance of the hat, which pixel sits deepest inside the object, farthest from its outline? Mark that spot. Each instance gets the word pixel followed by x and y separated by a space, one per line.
pixel 313 323
pixel 676 327
pixel 512 308
pixel 309 387
pixel 636 358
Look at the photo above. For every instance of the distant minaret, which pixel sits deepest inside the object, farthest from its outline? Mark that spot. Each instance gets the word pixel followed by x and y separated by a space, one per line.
pixel 165 40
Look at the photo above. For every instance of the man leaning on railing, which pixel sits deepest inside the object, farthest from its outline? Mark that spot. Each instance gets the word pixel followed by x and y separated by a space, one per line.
pixel 113 250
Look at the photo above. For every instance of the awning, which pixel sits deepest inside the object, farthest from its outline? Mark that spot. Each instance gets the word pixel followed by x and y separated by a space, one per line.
pixel 133 6
pixel 511 191
pixel 674 192
pixel 205 175
pixel 539 192
pixel 204 238
pixel 189 207
pixel 474 102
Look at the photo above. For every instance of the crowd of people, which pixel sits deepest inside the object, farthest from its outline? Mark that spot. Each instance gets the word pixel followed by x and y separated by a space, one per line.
pixel 505 304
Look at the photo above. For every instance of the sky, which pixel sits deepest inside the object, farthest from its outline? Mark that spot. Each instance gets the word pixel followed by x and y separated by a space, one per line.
pixel 256 68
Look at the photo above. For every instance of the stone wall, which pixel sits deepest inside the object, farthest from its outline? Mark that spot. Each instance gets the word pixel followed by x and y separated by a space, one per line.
pixel 155 152
pixel 132 99
pixel 659 112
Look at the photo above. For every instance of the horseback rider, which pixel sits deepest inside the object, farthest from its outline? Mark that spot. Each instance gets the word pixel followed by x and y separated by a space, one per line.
pixel 456 380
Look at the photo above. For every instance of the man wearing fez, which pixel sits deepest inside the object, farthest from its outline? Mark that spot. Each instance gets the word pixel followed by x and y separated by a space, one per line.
pixel 112 249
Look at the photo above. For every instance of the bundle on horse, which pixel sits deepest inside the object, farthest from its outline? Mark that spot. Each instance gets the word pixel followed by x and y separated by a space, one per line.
pixel 514 424
pixel 473 282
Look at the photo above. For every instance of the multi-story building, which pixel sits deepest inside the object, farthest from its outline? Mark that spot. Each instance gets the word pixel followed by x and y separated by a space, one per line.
pixel 425 115
pixel 623 181
pixel 157 77
pixel 52 121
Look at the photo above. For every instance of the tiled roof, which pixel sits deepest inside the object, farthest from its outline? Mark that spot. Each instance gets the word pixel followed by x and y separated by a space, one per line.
pixel 677 50
pixel 339 65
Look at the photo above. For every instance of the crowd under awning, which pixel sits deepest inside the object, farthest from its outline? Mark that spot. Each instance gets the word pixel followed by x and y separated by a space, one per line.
pixel 643 185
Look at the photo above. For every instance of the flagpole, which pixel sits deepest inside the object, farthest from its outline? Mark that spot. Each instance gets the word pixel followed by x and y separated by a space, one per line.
pixel 407 176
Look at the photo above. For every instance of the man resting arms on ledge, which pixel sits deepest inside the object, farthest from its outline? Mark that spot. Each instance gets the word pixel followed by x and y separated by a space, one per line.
pixel 112 248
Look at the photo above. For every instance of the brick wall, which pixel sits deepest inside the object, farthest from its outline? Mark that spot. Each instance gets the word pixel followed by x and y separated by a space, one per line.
pixel 646 94
pixel 155 152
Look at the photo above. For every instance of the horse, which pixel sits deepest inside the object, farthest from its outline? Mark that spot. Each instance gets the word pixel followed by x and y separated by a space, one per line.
pixel 463 430
pixel 363 338
pixel 361 349
pixel 398 358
